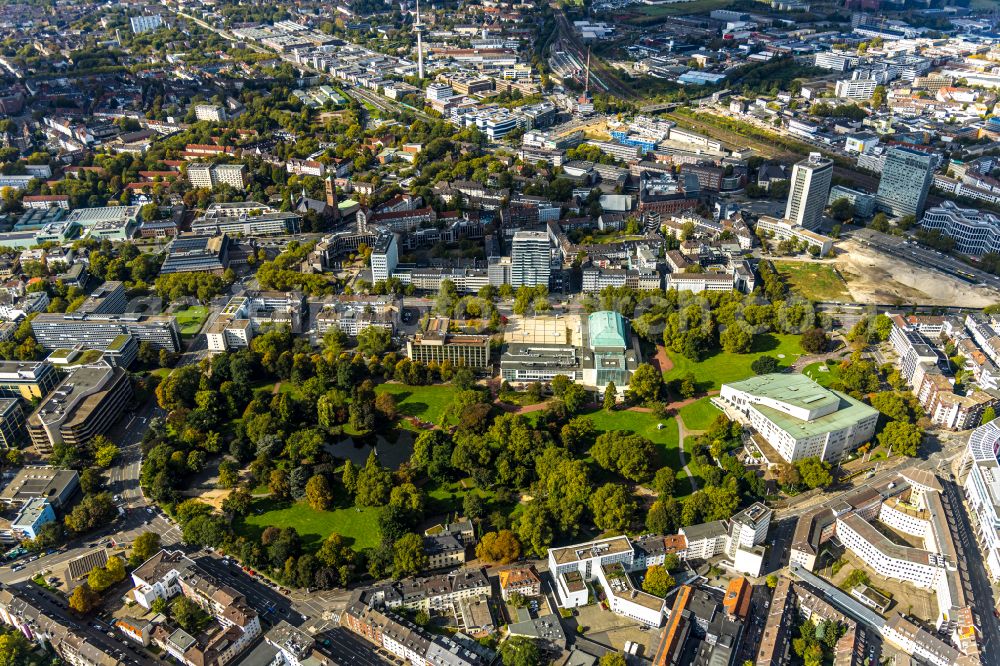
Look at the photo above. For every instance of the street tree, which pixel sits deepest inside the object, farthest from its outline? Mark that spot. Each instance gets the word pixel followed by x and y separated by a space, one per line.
pixel 815 473
pixel 903 438
pixel 84 600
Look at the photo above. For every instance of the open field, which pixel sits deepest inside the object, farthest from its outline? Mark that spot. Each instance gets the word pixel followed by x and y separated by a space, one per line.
pixel 731 139
pixel 645 424
pixel 427 403
pixel 446 498
pixel 699 415
pixel 360 526
pixel 875 277
pixel 826 377
pixel 721 367
pixel 649 14
pixel 191 318
pixel 815 281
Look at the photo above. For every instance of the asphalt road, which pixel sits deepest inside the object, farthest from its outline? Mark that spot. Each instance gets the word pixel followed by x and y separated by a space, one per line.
pixel 53 606
pixel 753 629
pixel 973 573
pixel 271 604
pixel 780 540
pixel 347 648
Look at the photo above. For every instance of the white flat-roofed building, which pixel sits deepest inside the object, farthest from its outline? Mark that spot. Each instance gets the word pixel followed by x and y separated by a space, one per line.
pixel 980 477
pixel 888 559
pixel 439 92
pixel 784 229
pixel 352 314
pixel 705 540
pixel 975 232
pixel 209 175
pixel 748 528
pixel 90 217
pixel 247 218
pixel 799 418
pixel 141 24
pixel 698 282
pixel 229 333
pixel 810 187
pixel 16 181
pixel 836 60
pixel 531 259
pixel 583 559
pixel 855 88
pixel 384 257
pixel 608 562
pixel 210 112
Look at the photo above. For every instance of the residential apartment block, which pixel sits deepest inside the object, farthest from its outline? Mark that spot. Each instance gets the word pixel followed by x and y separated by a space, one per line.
pixel 236 624
pixel 63 636
pixel 208 176
pixel 352 314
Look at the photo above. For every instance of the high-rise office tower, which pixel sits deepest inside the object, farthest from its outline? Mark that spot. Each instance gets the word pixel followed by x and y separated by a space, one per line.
pixel 530 259
pixel 906 179
pixel 808 191
pixel 384 257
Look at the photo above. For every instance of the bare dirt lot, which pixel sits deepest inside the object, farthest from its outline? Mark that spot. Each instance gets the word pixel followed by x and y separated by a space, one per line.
pixel 873 277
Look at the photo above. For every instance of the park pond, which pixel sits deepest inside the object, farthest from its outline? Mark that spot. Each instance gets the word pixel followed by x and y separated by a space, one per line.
pixel 390 454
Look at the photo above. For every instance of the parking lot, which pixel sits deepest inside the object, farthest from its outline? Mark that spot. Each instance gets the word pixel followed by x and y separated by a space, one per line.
pixel 609 628
pixel 269 602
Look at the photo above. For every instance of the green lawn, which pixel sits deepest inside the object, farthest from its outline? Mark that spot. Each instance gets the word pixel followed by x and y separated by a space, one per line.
pixel 721 367
pixel 191 318
pixel 446 498
pixel 425 402
pixel 817 282
pixel 361 527
pixel 645 424
pixel 699 415
pixel 827 378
